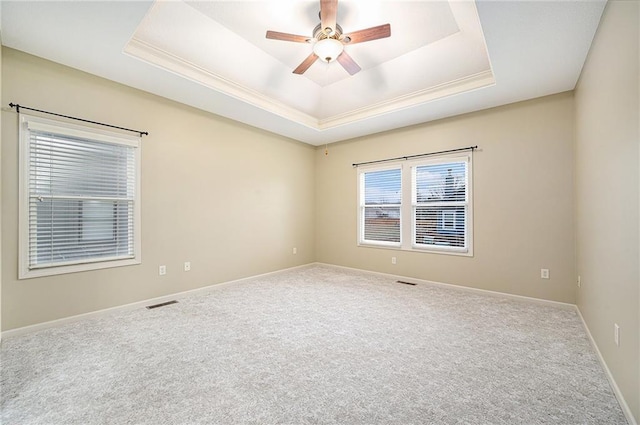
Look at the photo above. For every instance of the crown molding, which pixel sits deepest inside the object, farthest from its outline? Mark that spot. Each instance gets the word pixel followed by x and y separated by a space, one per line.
pixel 146 52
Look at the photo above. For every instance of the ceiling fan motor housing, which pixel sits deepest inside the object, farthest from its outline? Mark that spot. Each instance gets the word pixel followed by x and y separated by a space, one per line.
pixel 320 34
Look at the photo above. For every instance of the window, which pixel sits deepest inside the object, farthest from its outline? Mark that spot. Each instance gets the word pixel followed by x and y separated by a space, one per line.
pixel 439 194
pixel 439 213
pixel 79 192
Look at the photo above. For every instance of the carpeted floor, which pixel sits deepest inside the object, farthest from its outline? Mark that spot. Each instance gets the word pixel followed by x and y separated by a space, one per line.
pixel 315 345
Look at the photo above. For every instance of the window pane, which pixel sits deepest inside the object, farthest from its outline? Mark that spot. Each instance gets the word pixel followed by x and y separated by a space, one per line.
pixel 381 209
pixel 81 200
pixel 97 221
pixel 382 224
pixel 382 187
pixel 58 232
pixel 441 182
pixel 67 166
pixel 440 226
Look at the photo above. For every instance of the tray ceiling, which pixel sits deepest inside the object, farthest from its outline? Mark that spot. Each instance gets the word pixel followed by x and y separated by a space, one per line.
pixel 443 58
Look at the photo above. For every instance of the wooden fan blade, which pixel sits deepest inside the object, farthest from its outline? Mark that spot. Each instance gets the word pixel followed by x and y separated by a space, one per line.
pixel 348 63
pixel 275 35
pixel 328 14
pixel 373 33
pixel 306 64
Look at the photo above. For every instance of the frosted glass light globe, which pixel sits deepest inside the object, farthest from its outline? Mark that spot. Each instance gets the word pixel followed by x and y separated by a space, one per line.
pixel 328 49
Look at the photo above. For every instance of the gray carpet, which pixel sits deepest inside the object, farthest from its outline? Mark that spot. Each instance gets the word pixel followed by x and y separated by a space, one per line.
pixel 316 345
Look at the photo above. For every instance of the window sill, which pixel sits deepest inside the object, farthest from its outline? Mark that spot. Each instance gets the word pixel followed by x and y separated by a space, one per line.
pixel 75 268
pixel 426 250
pixel 445 251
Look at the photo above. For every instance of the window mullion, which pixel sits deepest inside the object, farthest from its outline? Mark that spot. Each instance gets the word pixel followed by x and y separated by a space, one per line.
pixel 407 214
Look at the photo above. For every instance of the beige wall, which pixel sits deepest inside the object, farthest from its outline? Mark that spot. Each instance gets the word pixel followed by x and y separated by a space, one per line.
pixel 608 188
pixel 231 199
pixel 523 199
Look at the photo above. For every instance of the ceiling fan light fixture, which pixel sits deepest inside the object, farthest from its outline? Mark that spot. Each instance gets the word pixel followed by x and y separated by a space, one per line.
pixel 329 39
pixel 328 49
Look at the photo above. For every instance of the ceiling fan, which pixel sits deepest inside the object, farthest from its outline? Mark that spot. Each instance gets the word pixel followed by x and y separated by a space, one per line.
pixel 329 40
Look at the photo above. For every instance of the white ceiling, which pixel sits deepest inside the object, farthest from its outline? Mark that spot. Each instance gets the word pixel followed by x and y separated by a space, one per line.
pixel 442 59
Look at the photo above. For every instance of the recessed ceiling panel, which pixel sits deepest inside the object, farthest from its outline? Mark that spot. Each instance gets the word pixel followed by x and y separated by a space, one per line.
pixel 435 49
pixel 414 24
pixel 183 52
pixel 214 56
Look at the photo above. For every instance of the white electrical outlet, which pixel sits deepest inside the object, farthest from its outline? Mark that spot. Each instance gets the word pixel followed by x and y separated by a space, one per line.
pixel 295 251
pixel 544 273
pixel 187 266
pixel 579 282
pixel 616 334
pixel 393 260
pixel 162 270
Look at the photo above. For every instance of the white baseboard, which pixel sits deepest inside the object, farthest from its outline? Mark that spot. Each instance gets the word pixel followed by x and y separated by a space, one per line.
pixel 164 298
pixel 132 306
pixel 614 386
pixel 558 304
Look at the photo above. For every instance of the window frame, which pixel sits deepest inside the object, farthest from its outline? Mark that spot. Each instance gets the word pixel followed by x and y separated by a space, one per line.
pixel 67 129
pixel 466 204
pixel 408 204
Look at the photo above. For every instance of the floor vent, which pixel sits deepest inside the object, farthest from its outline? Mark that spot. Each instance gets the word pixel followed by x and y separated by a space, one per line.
pixel 161 304
pixel 407 283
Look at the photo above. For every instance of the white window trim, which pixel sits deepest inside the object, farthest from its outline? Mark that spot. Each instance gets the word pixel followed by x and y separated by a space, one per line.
pixel 407 231
pixel 29 122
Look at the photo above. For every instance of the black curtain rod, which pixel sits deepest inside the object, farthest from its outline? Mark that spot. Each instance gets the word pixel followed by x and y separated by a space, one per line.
pixel 12 105
pixel 470 148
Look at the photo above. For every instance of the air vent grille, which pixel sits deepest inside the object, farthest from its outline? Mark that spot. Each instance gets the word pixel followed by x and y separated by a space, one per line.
pixel 149 307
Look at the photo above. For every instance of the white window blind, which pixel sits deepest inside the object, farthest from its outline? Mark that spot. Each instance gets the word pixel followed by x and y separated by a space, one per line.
pixel 440 204
pixel 381 198
pixel 81 196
